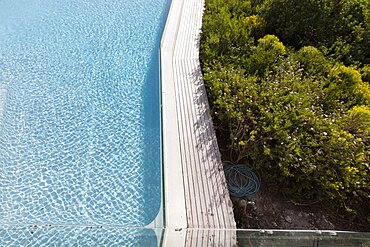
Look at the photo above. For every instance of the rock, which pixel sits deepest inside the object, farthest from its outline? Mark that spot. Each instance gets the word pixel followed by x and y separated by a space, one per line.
pixel 242 203
pixel 306 215
pixel 288 219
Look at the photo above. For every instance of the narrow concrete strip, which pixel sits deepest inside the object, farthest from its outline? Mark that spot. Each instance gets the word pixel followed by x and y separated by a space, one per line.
pixel 174 205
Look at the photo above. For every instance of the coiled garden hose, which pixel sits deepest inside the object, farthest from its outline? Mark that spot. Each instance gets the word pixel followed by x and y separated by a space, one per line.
pixel 241 180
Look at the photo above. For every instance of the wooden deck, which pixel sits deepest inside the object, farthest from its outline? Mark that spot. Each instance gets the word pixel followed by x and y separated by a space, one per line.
pixel 192 162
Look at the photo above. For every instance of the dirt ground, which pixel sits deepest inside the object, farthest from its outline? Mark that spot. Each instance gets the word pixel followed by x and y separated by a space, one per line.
pixel 267 211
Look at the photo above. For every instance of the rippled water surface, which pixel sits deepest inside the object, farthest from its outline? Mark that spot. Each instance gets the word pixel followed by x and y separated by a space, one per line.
pixel 79 111
pixel 75 236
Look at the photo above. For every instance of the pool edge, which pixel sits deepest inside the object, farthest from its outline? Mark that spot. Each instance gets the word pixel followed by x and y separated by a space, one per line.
pixel 174 209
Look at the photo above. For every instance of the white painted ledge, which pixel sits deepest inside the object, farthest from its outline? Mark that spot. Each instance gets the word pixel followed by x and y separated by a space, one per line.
pixel 174 199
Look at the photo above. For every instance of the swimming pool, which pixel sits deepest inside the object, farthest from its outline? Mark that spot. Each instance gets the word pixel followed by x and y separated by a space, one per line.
pixel 79 112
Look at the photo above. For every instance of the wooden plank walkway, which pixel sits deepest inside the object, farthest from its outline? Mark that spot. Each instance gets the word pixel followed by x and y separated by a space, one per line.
pixel 207 201
pixel 189 142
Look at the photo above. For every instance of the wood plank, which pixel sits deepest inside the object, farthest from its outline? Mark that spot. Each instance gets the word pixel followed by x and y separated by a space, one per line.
pixel 207 203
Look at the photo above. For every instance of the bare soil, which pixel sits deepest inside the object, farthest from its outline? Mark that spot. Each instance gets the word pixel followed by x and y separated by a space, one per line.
pixel 268 211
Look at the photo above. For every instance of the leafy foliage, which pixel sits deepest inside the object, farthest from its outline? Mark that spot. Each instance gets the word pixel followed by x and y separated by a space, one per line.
pixel 340 25
pixel 299 113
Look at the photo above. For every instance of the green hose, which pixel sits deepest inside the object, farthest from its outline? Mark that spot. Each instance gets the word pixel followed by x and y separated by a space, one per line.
pixel 241 180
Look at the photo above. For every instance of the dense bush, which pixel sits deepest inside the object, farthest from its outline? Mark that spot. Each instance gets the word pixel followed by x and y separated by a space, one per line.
pixel 340 25
pixel 299 113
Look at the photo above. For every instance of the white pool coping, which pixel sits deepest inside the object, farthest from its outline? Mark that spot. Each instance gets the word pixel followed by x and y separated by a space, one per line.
pixel 174 200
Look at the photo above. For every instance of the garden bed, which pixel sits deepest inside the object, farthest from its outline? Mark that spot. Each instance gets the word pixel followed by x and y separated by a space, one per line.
pixel 288 85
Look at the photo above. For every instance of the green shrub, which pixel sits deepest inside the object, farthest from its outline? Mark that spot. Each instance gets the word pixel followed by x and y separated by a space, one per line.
pixel 365 73
pixel 346 85
pixel 267 52
pixel 313 61
pixel 357 122
pixel 342 26
pixel 301 118
pixel 225 35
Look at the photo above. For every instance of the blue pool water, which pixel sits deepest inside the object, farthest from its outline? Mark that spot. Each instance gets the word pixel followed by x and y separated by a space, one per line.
pixel 74 236
pixel 79 111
